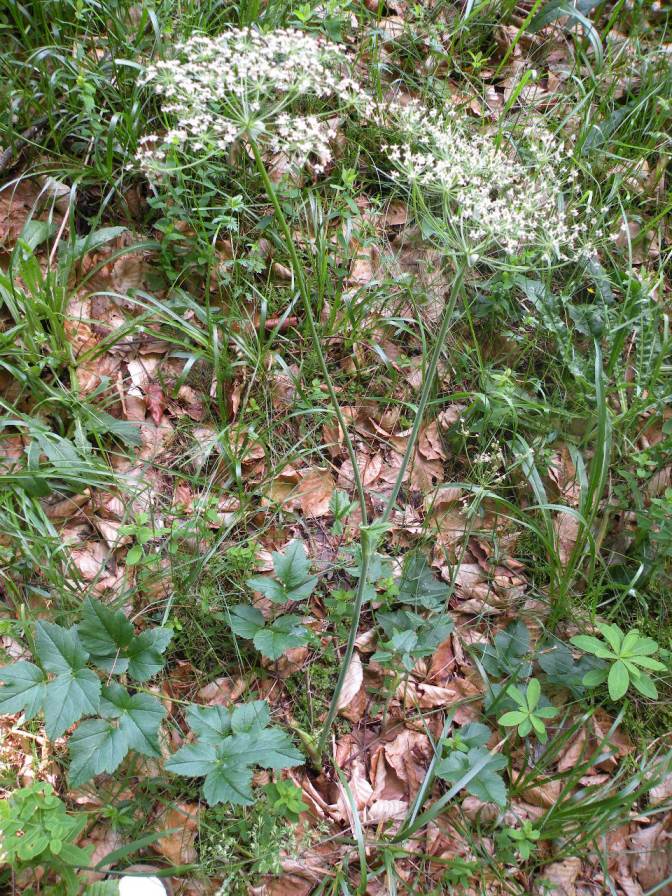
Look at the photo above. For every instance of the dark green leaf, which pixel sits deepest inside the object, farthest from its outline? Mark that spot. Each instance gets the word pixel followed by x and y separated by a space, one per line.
pixel 210 723
pixel 229 784
pixel 24 689
pixel 279 636
pixel 145 652
pixel 140 716
pixel 58 648
pixel 96 746
pixel 419 586
pixel 106 634
pixel 70 696
pixel 245 620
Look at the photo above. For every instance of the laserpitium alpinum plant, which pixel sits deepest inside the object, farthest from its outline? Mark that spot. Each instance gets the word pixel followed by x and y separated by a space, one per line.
pixel 246 92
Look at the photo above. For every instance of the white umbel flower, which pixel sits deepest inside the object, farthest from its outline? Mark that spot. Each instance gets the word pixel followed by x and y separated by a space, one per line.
pixel 494 198
pixel 241 83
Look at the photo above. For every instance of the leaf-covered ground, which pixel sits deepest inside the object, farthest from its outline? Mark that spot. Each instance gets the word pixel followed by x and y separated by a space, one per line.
pixel 335 528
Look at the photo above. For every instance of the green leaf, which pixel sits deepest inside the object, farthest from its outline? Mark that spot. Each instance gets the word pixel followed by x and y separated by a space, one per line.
pixel 292 580
pixel 592 645
pixel 595 677
pixel 145 652
pixel 645 685
pixel 24 689
pixel 272 748
pixel 229 784
pixel 245 620
pixel 210 723
pixel 70 696
pixel 268 586
pixel 647 662
pixel 251 717
pixel 487 785
pixel 293 566
pixel 282 634
pixel 139 715
pixel 618 680
pixel 58 648
pixel 193 760
pixel 96 746
pixel 510 719
pixel 562 669
pixel 134 555
pixel 612 635
pixel 474 734
pixel 506 655
pixel 106 634
pixel 225 761
pixel 533 693
pixel 419 586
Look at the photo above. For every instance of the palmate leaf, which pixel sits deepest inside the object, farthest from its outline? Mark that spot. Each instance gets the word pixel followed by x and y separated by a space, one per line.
pixel 58 648
pixel 139 717
pixel 281 635
pixel 129 722
pixel 419 586
pixel 24 689
pixel 487 785
pixel 113 645
pixel 96 746
pixel 292 580
pixel 145 653
pixel 106 634
pixel 70 696
pixel 271 639
pixel 225 759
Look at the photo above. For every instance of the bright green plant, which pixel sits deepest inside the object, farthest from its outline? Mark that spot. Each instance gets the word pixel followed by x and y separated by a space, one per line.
pixel 530 715
pixel 517 842
pixel 467 749
pixel 627 654
pixel 272 638
pixel 292 579
pixel 64 686
pixel 143 532
pixel 285 799
pixel 229 744
pixel 37 832
pixel 410 637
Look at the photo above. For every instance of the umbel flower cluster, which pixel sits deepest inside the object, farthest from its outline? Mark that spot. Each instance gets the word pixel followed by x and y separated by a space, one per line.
pixel 244 83
pixel 285 89
pixel 492 198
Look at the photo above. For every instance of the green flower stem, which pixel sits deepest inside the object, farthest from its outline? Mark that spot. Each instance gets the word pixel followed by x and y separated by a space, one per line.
pixel 314 335
pixel 349 650
pixel 368 544
pixel 369 538
pixel 427 386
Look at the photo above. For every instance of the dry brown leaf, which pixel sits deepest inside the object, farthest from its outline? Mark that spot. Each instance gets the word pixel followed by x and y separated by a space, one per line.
pixel 385 810
pixel 222 691
pixel 561 876
pixel 566 528
pixel 179 848
pixel 354 678
pixel 662 791
pixel 314 491
pixel 650 854
pixel 369 467
pixel 409 755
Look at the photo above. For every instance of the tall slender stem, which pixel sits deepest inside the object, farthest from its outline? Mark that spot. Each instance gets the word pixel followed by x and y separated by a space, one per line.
pixel 297 268
pixel 368 533
pixel 427 386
